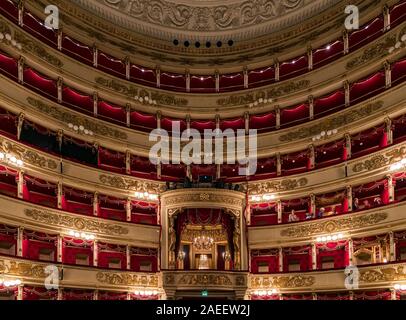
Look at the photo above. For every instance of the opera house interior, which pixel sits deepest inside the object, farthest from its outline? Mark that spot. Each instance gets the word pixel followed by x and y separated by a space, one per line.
pixel 87 214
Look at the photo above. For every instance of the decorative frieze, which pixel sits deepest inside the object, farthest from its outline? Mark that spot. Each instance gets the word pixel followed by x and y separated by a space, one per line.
pixel 69 117
pixel 380 160
pixel 23 269
pixel 76 223
pixel 336 225
pixel 132 184
pixel 127 279
pixel 276 186
pixel 28 156
pixel 395 273
pixel 281 282
pixel 334 122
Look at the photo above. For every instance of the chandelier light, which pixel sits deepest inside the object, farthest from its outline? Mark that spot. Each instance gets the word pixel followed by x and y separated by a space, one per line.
pixel 7 38
pixel 146 195
pixel 264 197
pixel 262 293
pixel 334 237
pixel 146 293
pixel 399 286
pixel 203 242
pixel 398 165
pixel 260 101
pixel 324 134
pixel 10 283
pixel 145 100
pixel 80 129
pixel 399 44
pixel 11 159
pixel 81 235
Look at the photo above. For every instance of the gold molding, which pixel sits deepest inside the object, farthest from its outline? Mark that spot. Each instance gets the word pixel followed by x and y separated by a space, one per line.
pixel 75 222
pixel 282 282
pixel 380 160
pixel 333 122
pixel 396 273
pixel 132 184
pixel 276 186
pixel 25 269
pixel 131 91
pixel 204 279
pixel 337 225
pixel 68 117
pixel 271 93
pixel 127 279
pixel 28 156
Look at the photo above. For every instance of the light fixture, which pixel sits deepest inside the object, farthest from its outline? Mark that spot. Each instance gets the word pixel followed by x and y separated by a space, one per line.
pixel 269 292
pixel 399 44
pixel 80 129
pixel 146 196
pixel 147 293
pixel 399 286
pixel 10 283
pixel 145 100
pixel 10 41
pixel 324 134
pixel 11 159
pixel 81 235
pixel 328 47
pixel 264 197
pixel 398 165
pixel 260 101
pixel 328 238
pixel 204 241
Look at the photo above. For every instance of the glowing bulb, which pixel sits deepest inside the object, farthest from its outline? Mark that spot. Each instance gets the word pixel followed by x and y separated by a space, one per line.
pixel 397 286
pixel 318 239
pixel 1 155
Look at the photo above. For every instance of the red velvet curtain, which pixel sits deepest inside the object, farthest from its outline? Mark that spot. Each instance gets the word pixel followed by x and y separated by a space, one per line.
pixel 338 251
pixel 77 50
pixel 39 293
pixel 301 255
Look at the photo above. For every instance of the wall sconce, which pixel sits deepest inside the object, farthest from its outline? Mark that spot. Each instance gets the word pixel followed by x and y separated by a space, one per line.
pixel 82 235
pixel 11 159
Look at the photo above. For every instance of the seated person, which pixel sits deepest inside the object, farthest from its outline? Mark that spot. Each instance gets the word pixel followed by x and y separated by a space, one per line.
pixel 309 215
pixel 356 204
pixel 321 212
pixel 366 203
pixel 377 201
pixel 293 217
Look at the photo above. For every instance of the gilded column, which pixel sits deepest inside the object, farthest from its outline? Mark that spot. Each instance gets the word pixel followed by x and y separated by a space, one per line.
pixel 278 117
pixel 388 74
pixel 21 62
pixel 95 253
pixel 96 204
pixel 60 88
pixel 346 41
pixel 310 57
pixel 386 17
pixel 279 208
pixel 277 69
pixel 20 236
pixel 346 85
pixel 350 252
pixel 388 131
pixel 311 107
pixel 280 257
pixel 392 247
pixel 128 114
pixel 60 195
pixel 314 257
pixel 20 184
pixel 278 164
pixel 59 248
pixel 127 68
pixel 95 103
pixel 95 56
pixel 128 256
pixel 128 209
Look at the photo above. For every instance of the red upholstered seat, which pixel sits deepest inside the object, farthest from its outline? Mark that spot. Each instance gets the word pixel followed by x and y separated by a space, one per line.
pixel 366 33
pixel 143 75
pixel 39 246
pixel 143 122
pixel 40 191
pixel 39 293
pixel 231 82
pixel 9 9
pixel 328 53
pixel 77 50
pixel 168 124
pixel 112 113
pixel 77 100
pixel 8 66
pixel 261 77
pixel 39 83
pixel 371 86
pixel 398 72
pixel 77 251
pixel 233 124
pixel 202 84
pixel 173 82
pixel 36 26
pixel 112 256
pixel 111 64
pixel 143 168
pixel 329 104
pixel 293 68
pixel 201 125
pixel 295 116
pixel 77 201
pixel 112 208
pixel 263 122
pixel 397 14
pixel 330 154
pixel 112 160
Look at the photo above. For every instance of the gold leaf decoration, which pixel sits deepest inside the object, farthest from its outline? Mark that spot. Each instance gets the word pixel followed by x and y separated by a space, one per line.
pixel 396 273
pixel 274 186
pixel 282 282
pixel 330 226
pixel 26 155
pixel 131 184
pixel 334 122
pixel 275 92
pixel 380 161
pixel 74 222
pixel 132 91
pixel 127 279
pixel 34 48
pixel 59 114
pixel 205 279
pixel 24 269
pixel 379 49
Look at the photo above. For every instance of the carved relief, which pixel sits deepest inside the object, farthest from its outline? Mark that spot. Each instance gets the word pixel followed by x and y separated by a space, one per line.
pixel 275 92
pixel 350 223
pixel 131 184
pixel 385 274
pixel 275 186
pixel 380 161
pixel 282 282
pixel 25 269
pixel 59 114
pixel 28 156
pixel 74 222
pixel 132 91
pixel 333 122
pixel 205 279
pixel 199 18
pixel 222 199
pixel 127 279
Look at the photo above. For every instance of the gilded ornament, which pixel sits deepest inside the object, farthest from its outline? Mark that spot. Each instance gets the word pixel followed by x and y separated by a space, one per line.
pixel 282 282
pixel 131 184
pixel 337 225
pixel 397 273
pixel 276 186
pixel 127 279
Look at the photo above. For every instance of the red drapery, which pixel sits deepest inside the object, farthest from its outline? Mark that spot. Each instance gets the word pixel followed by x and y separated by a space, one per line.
pixel 75 248
pixel 39 293
pixel 337 252
pixel 297 255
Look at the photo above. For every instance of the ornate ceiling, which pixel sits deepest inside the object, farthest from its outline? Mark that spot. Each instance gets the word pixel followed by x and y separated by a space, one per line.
pixel 206 20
